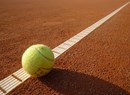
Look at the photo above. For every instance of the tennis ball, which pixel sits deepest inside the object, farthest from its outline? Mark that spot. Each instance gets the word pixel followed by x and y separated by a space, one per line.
pixel 38 60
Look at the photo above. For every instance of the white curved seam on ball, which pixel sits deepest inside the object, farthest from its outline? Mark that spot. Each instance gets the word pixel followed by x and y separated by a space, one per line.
pixel 43 55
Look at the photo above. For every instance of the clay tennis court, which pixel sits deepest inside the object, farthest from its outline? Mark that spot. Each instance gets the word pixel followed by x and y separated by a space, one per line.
pixel 97 65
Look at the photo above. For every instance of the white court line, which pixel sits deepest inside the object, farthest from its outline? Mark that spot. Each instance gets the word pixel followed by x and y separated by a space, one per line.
pixel 11 82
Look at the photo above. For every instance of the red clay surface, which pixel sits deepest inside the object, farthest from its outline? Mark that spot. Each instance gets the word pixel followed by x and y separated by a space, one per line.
pixel 50 22
pixel 97 65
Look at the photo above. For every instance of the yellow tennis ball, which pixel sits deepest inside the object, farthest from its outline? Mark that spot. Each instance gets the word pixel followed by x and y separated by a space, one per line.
pixel 38 60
